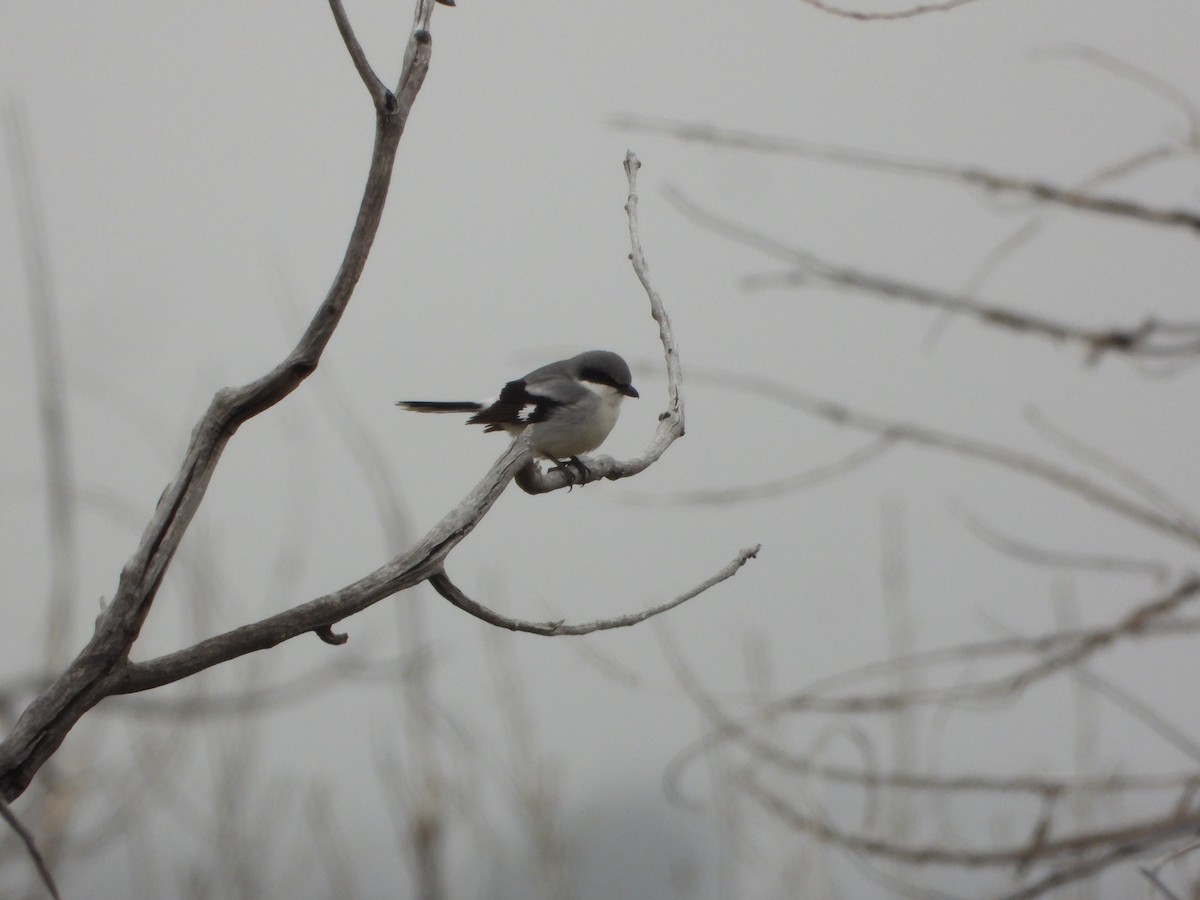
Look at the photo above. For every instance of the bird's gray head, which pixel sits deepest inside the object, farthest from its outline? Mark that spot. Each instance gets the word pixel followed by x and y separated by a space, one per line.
pixel 606 368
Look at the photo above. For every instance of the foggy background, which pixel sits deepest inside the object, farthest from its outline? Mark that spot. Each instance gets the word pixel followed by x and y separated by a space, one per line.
pixel 199 169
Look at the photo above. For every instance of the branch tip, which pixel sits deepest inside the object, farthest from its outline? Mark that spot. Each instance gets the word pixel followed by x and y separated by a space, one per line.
pixel 329 636
pixel 632 164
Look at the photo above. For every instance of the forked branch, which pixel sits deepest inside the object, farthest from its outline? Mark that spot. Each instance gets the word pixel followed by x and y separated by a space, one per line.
pixel 102 665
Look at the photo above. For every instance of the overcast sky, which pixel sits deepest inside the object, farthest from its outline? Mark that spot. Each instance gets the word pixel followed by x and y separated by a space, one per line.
pixel 199 169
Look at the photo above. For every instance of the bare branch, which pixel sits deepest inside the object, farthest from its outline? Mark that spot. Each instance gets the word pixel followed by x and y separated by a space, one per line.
pixel 910 12
pixel 444 586
pixel 339 670
pixel 100 666
pixel 376 87
pixel 30 847
pixel 1151 871
pixel 1004 457
pixel 1123 474
pixel 48 381
pixel 1032 189
pixel 670 423
pixel 1139 76
pixel 1142 711
pixel 1153 878
pixel 726 728
pixel 1136 844
pixel 1060 651
pixel 1150 338
pixel 776 487
pixel 1042 556
pixel 403 571
pixel 1132 623
pixel 1110 845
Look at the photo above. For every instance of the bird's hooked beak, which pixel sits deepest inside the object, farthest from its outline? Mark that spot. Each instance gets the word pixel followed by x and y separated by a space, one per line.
pixel 630 391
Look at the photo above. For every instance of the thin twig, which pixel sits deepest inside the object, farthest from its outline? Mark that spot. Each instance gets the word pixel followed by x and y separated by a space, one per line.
pixel 1134 74
pixel 1151 871
pixel 444 586
pixel 1033 189
pixel 774 488
pixel 375 87
pixel 30 847
pixel 1125 475
pixel 1110 845
pixel 1150 338
pixel 918 10
pixel 51 393
pixel 403 571
pixel 670 423
pixel 971 448
pixel 1043 556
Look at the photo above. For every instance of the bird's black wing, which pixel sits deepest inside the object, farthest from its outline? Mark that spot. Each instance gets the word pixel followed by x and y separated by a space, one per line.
pixel 516 405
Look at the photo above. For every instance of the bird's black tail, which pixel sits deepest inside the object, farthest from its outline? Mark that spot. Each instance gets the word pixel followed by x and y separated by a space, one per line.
pixel 439 406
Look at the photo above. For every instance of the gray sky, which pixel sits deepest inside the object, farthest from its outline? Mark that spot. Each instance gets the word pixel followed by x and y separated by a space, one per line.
pixel 200 168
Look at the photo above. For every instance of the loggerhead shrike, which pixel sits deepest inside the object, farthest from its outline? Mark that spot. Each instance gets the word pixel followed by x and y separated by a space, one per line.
pixel 568 406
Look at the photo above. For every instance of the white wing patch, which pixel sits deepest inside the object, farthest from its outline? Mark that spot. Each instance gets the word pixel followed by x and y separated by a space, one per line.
pixel 526 412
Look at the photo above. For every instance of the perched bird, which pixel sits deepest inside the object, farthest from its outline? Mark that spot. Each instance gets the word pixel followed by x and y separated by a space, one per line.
pixel 568 407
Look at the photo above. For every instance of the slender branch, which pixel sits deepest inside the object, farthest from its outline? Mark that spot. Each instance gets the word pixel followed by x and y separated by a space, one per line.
pixel 1135 845
pixel 48 381
pixel 670 423
pixel 726 728
pixel 777 487
pixel 249 700
pixel 918 10
pixel 1132 623
pixel 443 585
pixel 31 848
pixel 99 667
pixel 1042 556
pixel 1109 844
pixel 1143 78
pixel 1131 479
pixel 1033 189
pixel 401 572
pixel 1150 338
pixel 377 89
pixel 995 454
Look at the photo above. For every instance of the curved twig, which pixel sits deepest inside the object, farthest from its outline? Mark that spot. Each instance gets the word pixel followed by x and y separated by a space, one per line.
pixel 443 585
pixel 919 10
pixel 1042 556
pixel 1109 844
pixel 532 479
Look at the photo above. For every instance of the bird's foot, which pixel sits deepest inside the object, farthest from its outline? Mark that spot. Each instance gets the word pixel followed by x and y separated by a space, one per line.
pixel 575 468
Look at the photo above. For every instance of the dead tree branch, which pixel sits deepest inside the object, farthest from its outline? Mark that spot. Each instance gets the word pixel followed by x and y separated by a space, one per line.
pixel 60 475
pixel 102 667
pixel 774 488
pixel 994 182
pixel 1151 338
pixel 670 423
pixel 970 448
pixel 910 12
pixel 444 586
pixel 31 848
